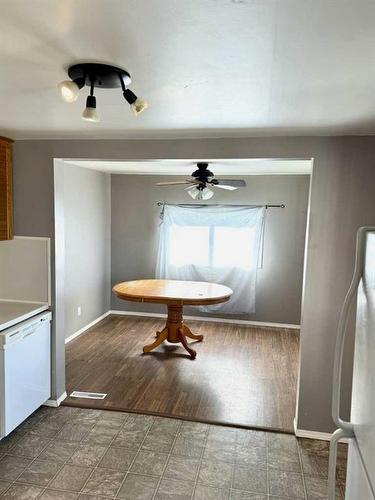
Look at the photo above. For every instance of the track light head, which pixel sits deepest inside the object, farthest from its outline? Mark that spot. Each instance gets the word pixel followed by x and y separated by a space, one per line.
pixel 89 113
pixel 138 105
pixel 68 90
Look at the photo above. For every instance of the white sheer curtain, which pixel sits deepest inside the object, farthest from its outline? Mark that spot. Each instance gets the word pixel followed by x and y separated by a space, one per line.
pixel 220 244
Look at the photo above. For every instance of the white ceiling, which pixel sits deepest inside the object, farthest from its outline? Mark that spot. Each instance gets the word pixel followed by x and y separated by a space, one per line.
pixel 186 167
pixel 209 68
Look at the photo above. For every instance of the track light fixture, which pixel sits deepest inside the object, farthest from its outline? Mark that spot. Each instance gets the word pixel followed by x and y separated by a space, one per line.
pixel 94 76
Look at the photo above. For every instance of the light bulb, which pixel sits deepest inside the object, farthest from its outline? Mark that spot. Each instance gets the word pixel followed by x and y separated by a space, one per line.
pixel 89 113
pixel 139 106
pixel 68 90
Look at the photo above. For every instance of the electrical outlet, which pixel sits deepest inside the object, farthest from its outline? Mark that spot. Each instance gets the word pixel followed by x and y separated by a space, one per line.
pixel 79 311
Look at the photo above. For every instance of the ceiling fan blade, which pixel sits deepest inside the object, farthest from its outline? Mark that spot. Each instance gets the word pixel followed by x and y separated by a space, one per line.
pixel 173 183
pixel 224 186
pixel 235 183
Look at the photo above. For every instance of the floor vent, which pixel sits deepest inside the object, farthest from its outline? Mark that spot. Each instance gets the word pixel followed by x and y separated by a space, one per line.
pixel 88 395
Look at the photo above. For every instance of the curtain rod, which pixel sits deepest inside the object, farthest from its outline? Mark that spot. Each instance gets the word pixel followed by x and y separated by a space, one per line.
pixel 161 203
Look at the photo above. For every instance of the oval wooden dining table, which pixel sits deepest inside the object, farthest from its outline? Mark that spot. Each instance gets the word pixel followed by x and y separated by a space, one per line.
pixel 175 294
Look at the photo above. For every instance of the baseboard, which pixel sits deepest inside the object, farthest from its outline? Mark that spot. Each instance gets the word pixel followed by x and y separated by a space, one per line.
pixel 54 403
pixel 205 318
pixel 86 327
pixel 322 436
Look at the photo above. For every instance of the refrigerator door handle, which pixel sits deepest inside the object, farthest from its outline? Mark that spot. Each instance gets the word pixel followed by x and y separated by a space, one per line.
pixel 334 441
pixel 342 327
pixel 345 429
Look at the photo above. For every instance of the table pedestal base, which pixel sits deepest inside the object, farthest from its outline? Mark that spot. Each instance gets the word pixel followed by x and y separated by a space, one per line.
pixel 175 331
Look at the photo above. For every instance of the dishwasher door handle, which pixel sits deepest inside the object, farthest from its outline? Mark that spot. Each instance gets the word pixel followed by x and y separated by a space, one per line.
pixel 30 332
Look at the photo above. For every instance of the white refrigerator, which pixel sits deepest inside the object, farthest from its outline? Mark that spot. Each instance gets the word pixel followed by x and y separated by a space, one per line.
pixel 360 431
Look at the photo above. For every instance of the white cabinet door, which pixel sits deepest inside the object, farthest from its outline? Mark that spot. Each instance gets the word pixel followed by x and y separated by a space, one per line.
pixel 357 484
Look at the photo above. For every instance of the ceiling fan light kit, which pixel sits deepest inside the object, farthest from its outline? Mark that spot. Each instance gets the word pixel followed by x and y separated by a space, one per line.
pixel 200 193
pixel 201 181
pixel 96 75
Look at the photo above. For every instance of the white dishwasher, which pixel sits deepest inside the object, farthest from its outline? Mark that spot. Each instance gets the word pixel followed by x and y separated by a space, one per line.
pixel 25 370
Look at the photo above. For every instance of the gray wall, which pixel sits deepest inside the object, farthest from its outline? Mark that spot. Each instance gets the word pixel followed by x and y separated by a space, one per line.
pixel 87 227
pixel 342 199
pixel 135 223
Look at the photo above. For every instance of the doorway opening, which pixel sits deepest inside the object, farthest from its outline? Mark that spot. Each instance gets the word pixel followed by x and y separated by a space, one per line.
pixel 107 231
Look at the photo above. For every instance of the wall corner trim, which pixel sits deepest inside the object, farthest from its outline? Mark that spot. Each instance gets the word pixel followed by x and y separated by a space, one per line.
pixel 55 403
pixel 86 327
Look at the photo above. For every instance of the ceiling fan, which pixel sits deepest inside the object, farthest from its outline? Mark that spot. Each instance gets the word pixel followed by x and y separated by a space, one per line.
pixel 202 178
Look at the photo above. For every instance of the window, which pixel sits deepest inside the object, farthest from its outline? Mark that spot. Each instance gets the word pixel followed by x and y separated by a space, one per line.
pixel 189 245
pixel 233 247
pixel 212 246
pixel 213 243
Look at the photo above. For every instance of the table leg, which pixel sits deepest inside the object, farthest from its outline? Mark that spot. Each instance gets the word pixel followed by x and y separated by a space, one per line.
pixel 191 335
pixel 159 333
pixel 175 331
pixel 182 339
pixel 161 336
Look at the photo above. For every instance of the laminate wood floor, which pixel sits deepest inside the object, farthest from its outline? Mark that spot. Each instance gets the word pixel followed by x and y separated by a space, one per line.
pixel 243 376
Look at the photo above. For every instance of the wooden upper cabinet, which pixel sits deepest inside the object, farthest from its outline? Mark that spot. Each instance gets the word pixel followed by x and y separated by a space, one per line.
pixel 6 189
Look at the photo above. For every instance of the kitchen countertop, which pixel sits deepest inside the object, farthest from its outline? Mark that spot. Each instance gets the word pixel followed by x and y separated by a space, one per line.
pixel 13 312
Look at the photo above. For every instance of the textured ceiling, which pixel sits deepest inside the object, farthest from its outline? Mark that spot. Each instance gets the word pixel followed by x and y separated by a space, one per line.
pixel 209 68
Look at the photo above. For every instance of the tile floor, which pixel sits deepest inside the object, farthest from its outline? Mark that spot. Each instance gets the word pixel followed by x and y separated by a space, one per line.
pixel 71 453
